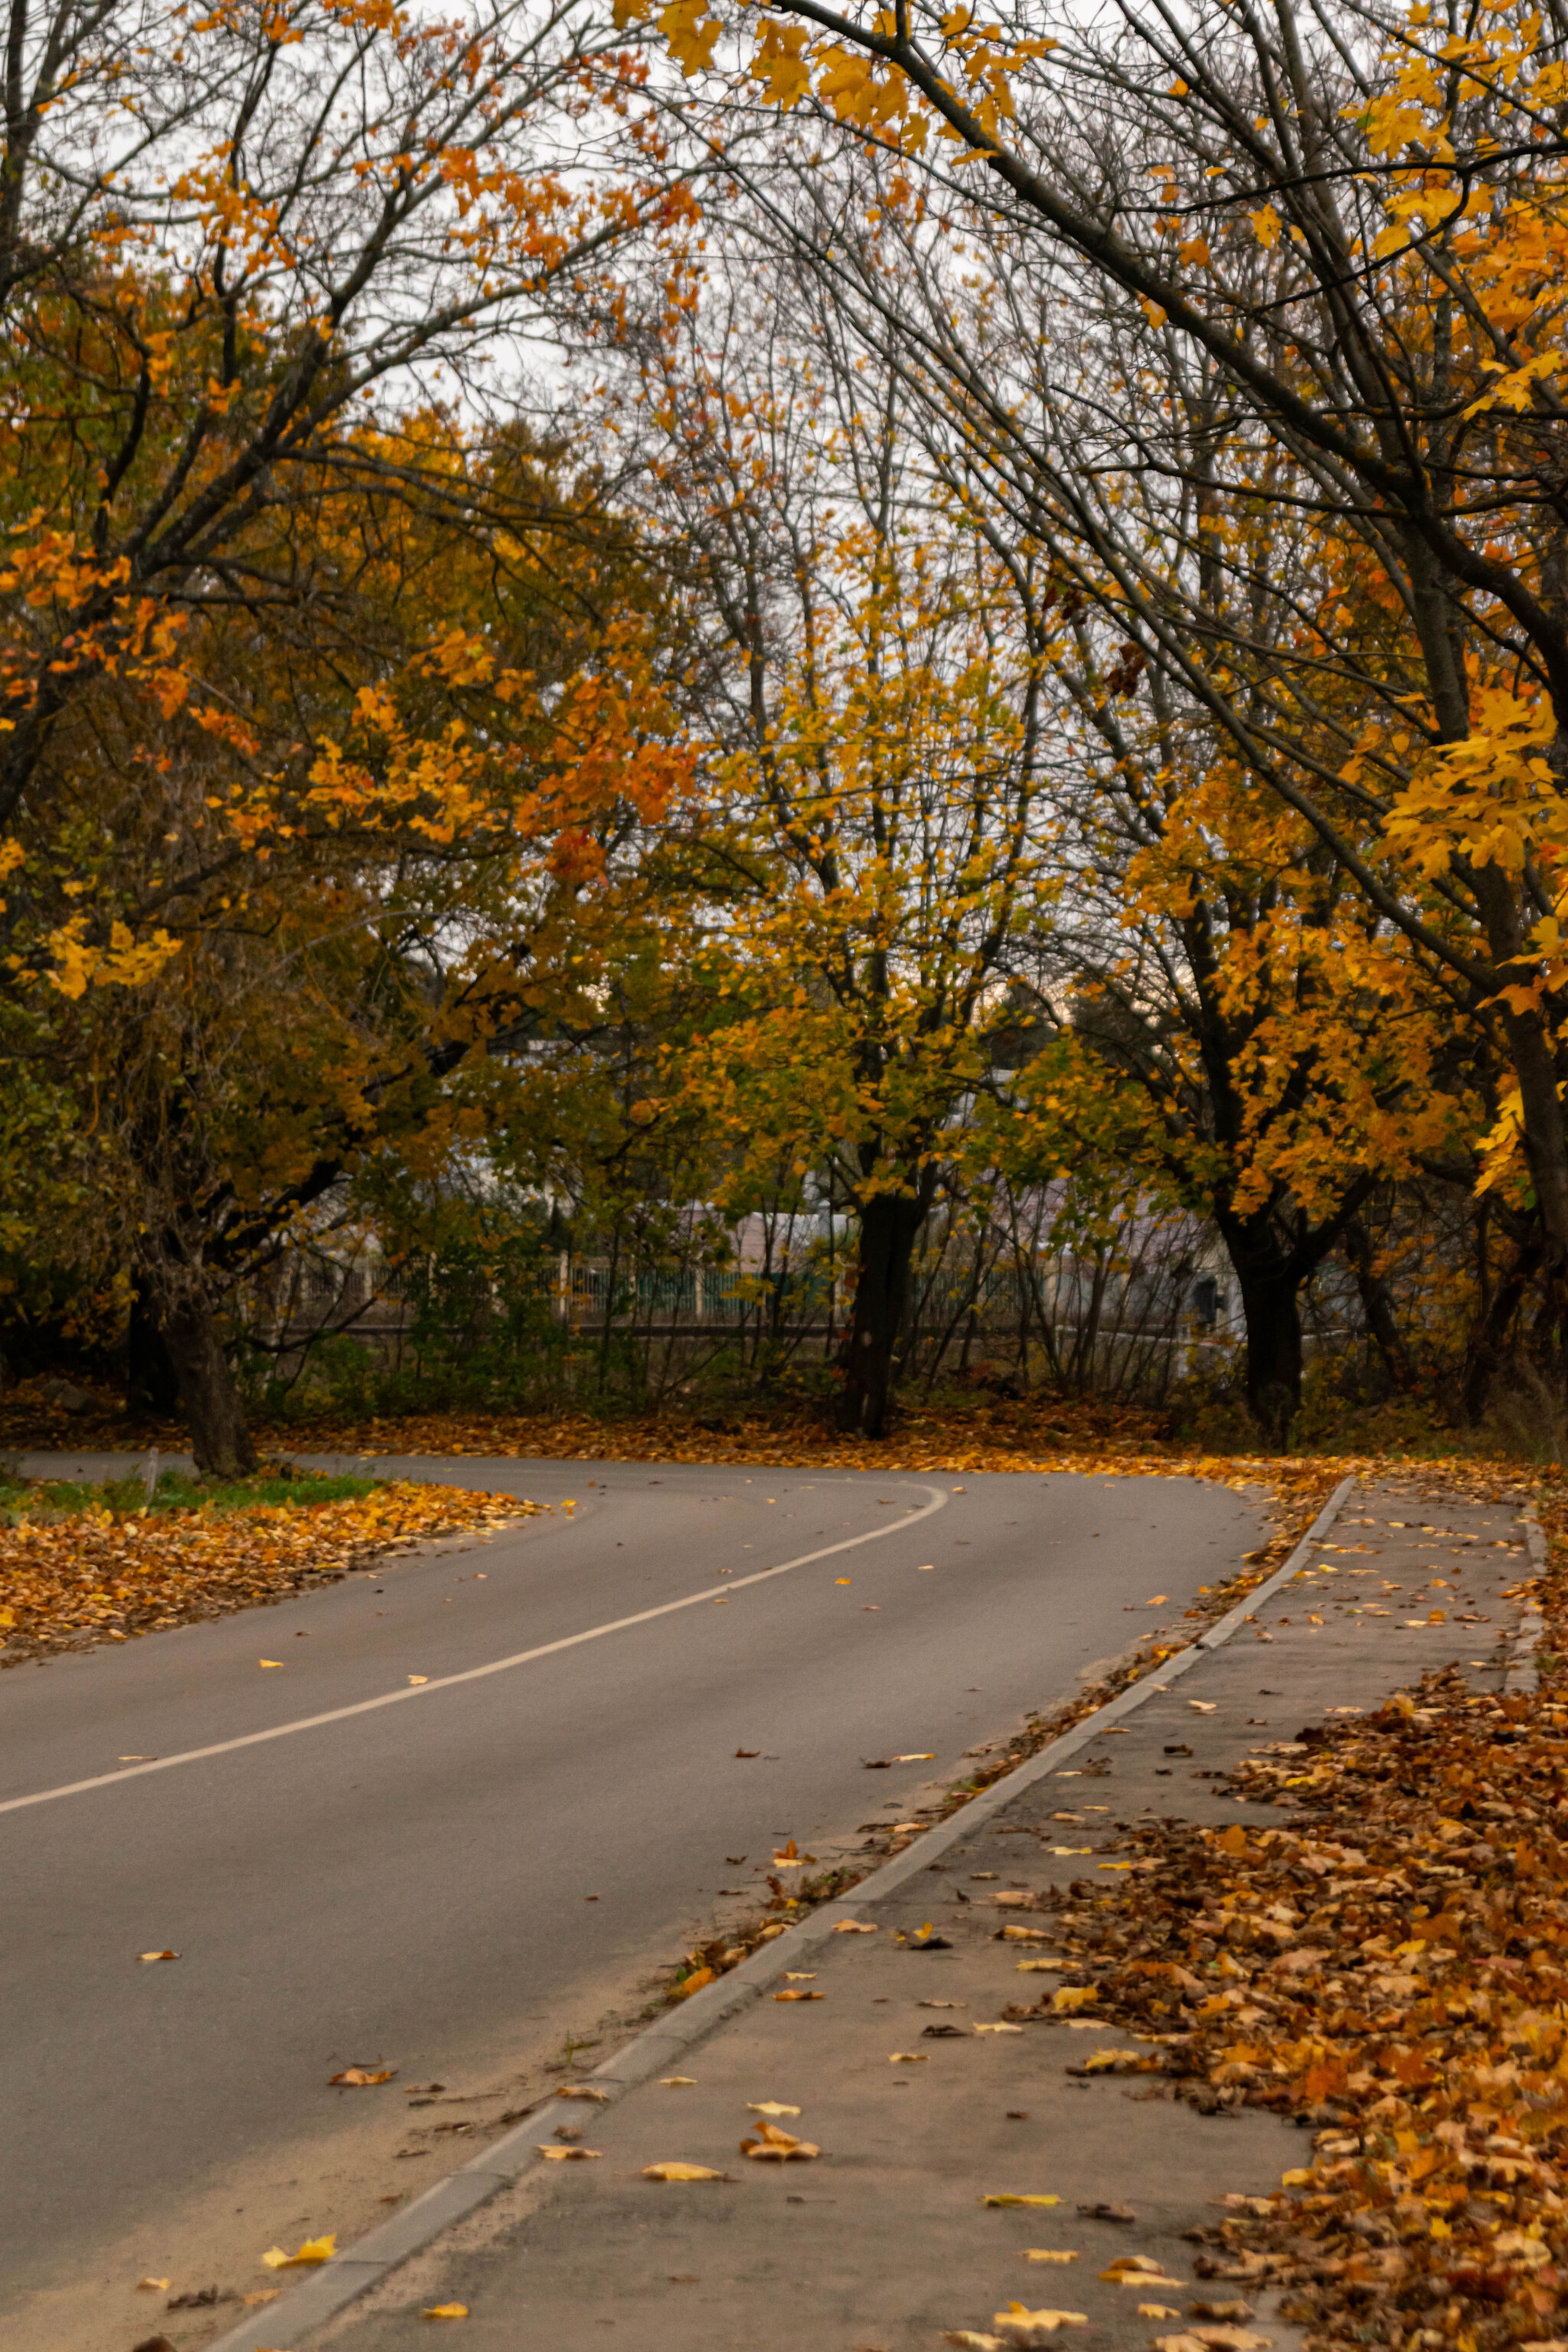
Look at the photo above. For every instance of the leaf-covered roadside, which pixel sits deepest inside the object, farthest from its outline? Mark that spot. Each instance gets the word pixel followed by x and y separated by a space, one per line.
pixel 1392 1964
pixel 106 1576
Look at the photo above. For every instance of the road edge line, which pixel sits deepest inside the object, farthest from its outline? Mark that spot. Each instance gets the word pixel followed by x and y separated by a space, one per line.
pixel 371 2258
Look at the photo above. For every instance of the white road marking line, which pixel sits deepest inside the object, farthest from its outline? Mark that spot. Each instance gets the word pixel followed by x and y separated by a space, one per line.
pixel 473 1674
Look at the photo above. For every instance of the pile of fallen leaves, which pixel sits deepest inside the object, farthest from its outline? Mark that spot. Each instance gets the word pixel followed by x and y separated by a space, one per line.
pixel 1393 1968
pixel 106 1575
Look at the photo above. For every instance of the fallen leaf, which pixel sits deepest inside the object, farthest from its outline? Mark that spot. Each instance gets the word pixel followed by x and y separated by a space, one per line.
pixel 965 2337
pixel 553 2155
pixel 769 2145
pixel 260 2294
pixel 314 2249
pixel 769 2107
pixel 908 2058
pixel 928 1756
pixel 423 1678
pixel 1069 1998
pixel 270 1662
pixel 1108 2212
pixel 158 1956
pixel 159 2286
pixel 681 2172
pixel 1157 2311
pixel 855 1927
pixel 1009 2200
pixel 1048 2254
pixel 355 2078
pixel 1018 2326
pixel 998 2028
pixel 677 2082
pixel 1038 1967
pixel 797 1996
pixel 445 2311
pixel 748 1751
pixel 582 2091
pixel 1203 1705
pixel 800 1976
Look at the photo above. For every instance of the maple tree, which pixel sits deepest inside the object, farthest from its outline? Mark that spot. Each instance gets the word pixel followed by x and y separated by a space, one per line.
pixel 254 268
pixel 372 884
pixel 1342 228
pixel 865 840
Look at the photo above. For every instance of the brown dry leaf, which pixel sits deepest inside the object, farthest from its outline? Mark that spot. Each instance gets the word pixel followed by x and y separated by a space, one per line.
pixel 681 2172
pixel 1157 2311
pixel 260 2294
pixel 856 1928
pixel 356 2078
pixel 1069 1998
pixel 582 2091
pixel 553 2155
pixel 969 2340
pixel 677 2082
pixel 797 1996
pixel 158 1956
pixel 909 2058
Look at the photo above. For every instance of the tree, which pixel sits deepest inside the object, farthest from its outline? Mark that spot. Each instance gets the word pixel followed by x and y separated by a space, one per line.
pixel 1347 222
pixel 864 841
pixel 393 858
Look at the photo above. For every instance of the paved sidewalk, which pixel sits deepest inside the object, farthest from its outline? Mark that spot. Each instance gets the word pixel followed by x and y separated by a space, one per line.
pixel 885 2242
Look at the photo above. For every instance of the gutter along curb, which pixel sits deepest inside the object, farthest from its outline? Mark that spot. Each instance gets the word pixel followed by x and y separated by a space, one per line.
pixel 339 2282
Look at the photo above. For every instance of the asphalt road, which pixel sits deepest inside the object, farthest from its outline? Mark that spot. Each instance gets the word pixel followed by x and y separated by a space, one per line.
pixel 449 1881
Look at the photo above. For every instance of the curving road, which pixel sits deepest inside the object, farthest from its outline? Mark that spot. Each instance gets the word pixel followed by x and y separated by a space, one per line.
pixel 454 1882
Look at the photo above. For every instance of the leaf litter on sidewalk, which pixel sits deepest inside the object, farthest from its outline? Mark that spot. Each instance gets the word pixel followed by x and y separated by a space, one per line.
pixel 1391 1967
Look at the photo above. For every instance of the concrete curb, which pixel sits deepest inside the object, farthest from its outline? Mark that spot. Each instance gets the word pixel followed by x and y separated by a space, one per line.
pixel 1523 1677
pixel 350 2274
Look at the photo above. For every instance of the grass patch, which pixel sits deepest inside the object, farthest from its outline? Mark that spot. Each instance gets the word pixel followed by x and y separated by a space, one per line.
pixel 45 1500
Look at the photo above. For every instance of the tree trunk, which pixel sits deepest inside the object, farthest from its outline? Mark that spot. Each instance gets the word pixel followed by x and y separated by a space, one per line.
pixel 220 1441
pixel 1377 1305
pixel 1270 1286
pixel 150 1382
pixel 1483 1355
pixel 888 1229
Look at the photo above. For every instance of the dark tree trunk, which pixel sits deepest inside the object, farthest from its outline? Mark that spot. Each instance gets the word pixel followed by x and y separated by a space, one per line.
pixel 888 1229
pixel 1270 1278
pixel 220 1442
pixel 1377 1305
pixel 150 1382
pixel 1270 1300
pixel 1484 1354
